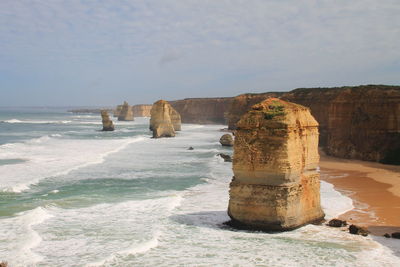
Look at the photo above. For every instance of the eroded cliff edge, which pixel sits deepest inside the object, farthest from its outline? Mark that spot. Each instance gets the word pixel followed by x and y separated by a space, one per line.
pixel 275 184
pixel 203 110
pixel 360 122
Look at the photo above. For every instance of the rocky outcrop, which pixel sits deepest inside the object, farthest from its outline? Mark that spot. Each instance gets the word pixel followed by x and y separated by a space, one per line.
pixel 141 110
pixel 175 119
pixel 242 103
pixel 203 110
pixel 117 111
pixel 275 184
pixel 358 230
pixel 225 157
pixel 226 140
pixel 107 123
pixel 161 121
pixel 125 113
pixel 361 122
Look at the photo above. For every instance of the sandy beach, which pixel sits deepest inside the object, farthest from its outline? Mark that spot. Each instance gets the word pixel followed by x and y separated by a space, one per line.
pixel 374 188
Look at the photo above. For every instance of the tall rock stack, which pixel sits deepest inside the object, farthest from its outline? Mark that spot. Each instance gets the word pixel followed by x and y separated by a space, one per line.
pixel 164 119
pixel 126 113
pixel 175 119
pixel 107 123
pixel 276 183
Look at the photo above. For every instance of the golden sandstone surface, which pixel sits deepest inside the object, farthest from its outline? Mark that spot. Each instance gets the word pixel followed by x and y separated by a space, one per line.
pixel 276 183
pixel 165 120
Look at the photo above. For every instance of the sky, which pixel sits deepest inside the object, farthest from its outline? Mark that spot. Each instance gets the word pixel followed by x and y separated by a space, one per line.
pixel 100 53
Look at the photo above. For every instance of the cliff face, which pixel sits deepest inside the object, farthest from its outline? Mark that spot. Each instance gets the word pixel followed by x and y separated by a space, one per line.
pixel 242 103
pixel 126 113
pixel 163 119
pixel 360 122
pixel 141 110
pixel 275 184
pixel 202 110
pixel 107 123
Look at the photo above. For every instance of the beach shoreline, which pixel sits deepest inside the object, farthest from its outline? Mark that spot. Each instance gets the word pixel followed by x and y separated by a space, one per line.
pixel 373 187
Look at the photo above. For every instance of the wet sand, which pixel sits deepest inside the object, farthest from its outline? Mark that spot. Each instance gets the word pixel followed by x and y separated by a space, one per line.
pixel 374 188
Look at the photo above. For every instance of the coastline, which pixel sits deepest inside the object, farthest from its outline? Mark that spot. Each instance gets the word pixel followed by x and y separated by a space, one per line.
pixel 373 187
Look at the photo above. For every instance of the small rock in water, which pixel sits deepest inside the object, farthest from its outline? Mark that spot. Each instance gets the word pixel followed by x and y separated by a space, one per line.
pixel 358 230
pixel 226 157
pixel 386 235
pixel 396 235
pixel 226 140
pixel 191 148
pixel 337 223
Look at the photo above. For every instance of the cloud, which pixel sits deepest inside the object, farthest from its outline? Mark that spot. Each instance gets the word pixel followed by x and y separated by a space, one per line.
pixel 260 44
pixel 170 56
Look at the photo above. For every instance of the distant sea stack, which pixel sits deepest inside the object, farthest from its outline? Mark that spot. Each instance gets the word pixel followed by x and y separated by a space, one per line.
pixel 164 119
pixel 126 113
pixel 203 110
pixel 141 110
pixel 276 183
pixel 107 123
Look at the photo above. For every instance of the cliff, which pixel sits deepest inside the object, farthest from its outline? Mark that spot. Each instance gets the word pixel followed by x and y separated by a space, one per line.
pixel 203 110
pixel 141 110
pixel 163 119
pixel 107 123
pixel 242 103
pixel 125 114
pixel 361 122
pixel 275 184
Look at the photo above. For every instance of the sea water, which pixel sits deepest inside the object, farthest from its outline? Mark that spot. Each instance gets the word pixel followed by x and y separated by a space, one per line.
pixel 71 195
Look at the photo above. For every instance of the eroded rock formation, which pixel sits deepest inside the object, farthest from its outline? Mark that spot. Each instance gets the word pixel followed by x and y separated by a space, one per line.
pixel 275 184
pixel 226 140
pixel 242 103
pixel 175 119
pixel 141 110
pixel 203 110
pixel 108 125
pixel 163 119
pixel 126 113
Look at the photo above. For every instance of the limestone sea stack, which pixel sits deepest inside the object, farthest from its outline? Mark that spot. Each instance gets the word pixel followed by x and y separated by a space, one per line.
pixel 107 123
pixel 164 119
pixel 175 119
pixel 276 183
pixel 126 113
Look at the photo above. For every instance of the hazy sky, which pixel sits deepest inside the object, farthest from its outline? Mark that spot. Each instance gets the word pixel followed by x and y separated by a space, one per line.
pixel 99 52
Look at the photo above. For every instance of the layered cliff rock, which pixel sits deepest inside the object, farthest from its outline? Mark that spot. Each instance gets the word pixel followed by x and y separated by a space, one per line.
pixel 125 113
pixel 361 122
pixel 141 110
pixel 163 120
pixel 203 110
pixel 275 184
pixel 107 123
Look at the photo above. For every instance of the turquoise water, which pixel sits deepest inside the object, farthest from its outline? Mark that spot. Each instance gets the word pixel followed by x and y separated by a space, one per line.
pixel 71 195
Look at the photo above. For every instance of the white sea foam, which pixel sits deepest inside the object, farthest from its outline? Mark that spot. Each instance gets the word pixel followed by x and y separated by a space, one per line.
pixel 105 233
pixel 334 203
pixel 48 157
pixel 37 121
pixel 19 238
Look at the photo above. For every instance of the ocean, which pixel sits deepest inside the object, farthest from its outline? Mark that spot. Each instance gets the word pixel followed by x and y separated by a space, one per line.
pixel 71 195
